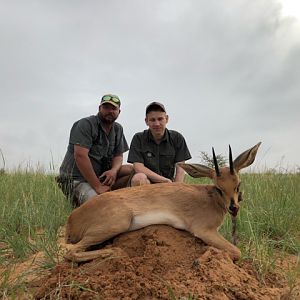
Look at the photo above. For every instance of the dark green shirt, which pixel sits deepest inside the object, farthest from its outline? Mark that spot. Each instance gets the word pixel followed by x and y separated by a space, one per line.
pixel 88 133
pixel 160 158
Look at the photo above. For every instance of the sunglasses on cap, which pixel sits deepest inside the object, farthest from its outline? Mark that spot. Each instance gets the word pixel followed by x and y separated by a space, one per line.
pixel 112 98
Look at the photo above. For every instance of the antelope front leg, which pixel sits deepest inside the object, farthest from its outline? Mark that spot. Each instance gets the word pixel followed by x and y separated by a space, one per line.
pixel 215 239
pixel 85 256
pixel 72 251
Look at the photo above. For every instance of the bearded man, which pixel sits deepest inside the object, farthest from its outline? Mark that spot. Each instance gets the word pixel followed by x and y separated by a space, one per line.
pixel 94 158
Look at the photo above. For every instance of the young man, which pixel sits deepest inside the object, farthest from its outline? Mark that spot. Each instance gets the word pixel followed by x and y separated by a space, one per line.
pixel 93 162
pixel 155 151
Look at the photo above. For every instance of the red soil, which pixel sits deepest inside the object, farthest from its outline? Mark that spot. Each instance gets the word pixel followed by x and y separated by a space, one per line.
pixel 160 262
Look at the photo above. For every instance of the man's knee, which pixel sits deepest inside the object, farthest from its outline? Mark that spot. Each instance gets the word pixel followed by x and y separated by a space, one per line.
pixel 139 179
pixel 83 191
pixel 125 170
pixel 124 177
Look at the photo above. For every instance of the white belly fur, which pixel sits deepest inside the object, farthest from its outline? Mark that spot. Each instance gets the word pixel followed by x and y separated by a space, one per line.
pixel 152 218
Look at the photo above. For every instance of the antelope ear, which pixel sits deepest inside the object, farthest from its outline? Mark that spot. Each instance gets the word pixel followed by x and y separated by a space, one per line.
pixel 197 170
pixel 246 158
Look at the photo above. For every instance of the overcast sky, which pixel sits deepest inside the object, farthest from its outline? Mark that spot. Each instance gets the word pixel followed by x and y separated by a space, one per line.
pixel 227 71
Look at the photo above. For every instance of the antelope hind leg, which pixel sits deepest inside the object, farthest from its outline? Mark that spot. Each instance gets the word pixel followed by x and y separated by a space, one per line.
pixel 96 235
pixel 215 239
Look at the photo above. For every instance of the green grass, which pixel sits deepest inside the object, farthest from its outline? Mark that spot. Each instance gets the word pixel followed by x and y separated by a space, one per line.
pixel 268 222
pixel 32 209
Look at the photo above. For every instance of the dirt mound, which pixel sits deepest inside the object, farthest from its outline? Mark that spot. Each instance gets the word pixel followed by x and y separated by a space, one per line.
pixel 158 262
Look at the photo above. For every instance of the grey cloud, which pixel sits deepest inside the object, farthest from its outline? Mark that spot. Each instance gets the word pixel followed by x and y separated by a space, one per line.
pixel 226 71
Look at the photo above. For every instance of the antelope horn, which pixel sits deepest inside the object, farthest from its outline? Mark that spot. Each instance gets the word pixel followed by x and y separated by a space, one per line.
pixel 230 161
pixel 216 163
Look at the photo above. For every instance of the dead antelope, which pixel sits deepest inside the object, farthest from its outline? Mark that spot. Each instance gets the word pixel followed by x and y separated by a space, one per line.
pixel 199 209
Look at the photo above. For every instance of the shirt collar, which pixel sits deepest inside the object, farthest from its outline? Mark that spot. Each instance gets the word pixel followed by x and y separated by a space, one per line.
pixel 164 138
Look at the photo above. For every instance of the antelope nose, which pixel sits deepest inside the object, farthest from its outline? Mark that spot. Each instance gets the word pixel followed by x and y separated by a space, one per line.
pixel 233 209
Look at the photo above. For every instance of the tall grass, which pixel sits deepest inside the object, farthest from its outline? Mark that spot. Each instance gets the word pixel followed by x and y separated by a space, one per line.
pixel 269 218
pixel 272 208
pixel 32 208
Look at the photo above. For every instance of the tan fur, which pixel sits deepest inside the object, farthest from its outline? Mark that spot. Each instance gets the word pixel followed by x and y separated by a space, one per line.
pixel 199 209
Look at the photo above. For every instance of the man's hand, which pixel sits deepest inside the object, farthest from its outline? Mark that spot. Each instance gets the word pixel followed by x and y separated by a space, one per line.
pixel 109 177
pixel 162 179
pixel 168 180
pixel 102 189
pixel 152 176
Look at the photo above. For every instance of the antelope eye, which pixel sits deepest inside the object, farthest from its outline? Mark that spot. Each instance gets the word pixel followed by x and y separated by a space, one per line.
pixel 238 187
pixel 219 191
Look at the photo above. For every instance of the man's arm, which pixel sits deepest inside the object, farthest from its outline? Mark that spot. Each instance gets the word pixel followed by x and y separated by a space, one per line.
pixel 111 175
pixel 86 169
pixel 154 177
pixel 179 176
pixel 136 158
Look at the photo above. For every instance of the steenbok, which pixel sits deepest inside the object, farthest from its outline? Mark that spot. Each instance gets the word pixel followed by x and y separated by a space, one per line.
pixel 198 209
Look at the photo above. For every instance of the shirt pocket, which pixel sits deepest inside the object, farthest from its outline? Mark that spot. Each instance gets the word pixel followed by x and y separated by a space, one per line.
pixel 98 151
pixel 150 160
pixel 100 147
pixel 167 163
pixel 167 160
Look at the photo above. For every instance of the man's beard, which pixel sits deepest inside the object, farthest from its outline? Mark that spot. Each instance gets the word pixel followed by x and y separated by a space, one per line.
pixel 108 118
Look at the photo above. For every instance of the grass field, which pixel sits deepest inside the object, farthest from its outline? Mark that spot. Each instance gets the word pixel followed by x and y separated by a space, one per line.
pixel 32 209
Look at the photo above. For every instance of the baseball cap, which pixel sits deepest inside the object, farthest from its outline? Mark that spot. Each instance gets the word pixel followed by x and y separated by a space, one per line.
pixel 111 99
pixel 155 106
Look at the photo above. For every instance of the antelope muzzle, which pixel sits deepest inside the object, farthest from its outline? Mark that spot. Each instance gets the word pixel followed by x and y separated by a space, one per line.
pixel 233 209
